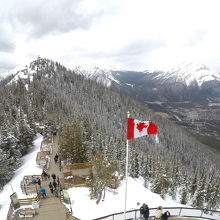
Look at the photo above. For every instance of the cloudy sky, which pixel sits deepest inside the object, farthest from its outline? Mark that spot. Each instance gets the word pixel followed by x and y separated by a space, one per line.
pixel 121 34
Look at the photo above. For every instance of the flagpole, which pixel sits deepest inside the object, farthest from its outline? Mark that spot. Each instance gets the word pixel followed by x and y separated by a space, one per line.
pixel 126 173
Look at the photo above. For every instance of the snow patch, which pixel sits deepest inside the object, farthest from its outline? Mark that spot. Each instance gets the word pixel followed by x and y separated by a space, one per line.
pixel 29 167
pixel 130 85
pixel 114 200
pixel 177 118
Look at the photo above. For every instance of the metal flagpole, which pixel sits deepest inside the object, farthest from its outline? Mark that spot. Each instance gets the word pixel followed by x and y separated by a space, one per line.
pixel 126 172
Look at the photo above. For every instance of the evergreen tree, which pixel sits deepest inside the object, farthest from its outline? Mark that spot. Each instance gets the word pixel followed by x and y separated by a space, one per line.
pixel 199 200
pixel 71 145
pixel 103 176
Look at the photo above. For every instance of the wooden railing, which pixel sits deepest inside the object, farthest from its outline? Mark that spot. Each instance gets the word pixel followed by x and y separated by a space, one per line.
pixel 70 185
pixel 23 202
pixel 77 165
pixel 28 201
pixel 70 217
pixel 29 189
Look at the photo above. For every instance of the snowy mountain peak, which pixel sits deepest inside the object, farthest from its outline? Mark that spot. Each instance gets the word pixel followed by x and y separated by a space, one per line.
pixel 189 73
pixel 102 76
pixel 48 67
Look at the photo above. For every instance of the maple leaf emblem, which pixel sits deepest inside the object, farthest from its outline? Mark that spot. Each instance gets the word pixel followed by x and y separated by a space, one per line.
pixel 141 126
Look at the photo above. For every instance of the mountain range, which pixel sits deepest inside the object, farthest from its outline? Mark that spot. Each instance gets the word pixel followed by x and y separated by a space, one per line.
pixel 45 96
pixel 189 94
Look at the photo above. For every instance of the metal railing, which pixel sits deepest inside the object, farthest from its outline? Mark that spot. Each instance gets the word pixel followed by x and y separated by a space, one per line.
pixel 174 211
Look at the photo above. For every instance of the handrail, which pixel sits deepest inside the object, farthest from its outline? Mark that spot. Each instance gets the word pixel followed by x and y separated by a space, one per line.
pixel 175 212
pixel 70 217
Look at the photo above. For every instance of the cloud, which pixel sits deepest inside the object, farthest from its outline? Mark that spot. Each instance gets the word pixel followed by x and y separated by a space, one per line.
pixel 40 18
pixel 6 62
pixel 126 34
pixel 6 41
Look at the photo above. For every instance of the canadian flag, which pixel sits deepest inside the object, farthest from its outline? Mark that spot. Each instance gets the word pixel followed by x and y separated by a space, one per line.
pixel 136 128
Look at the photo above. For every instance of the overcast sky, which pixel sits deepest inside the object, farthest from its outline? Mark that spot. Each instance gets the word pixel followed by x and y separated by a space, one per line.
pixel 121 34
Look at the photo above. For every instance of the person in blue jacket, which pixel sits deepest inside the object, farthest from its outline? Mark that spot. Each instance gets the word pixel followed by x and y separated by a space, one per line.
pixel 43 192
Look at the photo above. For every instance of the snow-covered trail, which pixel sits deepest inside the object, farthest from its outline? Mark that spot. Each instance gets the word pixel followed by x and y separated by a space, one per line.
pixel 29 167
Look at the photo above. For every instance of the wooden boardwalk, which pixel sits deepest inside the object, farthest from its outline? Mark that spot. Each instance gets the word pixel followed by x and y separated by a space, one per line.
pixel 51 207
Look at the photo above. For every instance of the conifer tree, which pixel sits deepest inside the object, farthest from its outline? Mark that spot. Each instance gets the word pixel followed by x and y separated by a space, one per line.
pixel 71 145
pixel 103 176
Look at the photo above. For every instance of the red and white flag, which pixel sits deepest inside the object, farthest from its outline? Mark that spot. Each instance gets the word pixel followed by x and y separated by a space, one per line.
pixel 136 128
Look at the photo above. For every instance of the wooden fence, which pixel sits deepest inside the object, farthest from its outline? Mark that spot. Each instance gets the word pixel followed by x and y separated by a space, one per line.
pixel 70 185
pixel 77 166
pixel 29 189
pixel 28 201
pixel 73 181
pixel 23 202
pixel 70 217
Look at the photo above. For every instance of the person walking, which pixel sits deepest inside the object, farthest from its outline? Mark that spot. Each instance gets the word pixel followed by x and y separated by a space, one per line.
pixel 53 176
pixel 56 158
pixel 51 187
pixel 144 210
pixel 54 184
pixel 56 192
pixel 43 192
pixel 158 213
pixel 58 180
pixel 44 175
pixel 39 182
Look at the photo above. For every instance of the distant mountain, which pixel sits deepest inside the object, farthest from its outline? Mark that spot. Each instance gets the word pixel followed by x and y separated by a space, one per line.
pixel 188 94
pixel 188 74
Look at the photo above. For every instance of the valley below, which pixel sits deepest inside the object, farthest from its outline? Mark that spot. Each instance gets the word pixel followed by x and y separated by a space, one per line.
pixel 203 122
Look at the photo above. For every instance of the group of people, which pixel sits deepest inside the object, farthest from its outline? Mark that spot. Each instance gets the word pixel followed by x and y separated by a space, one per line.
pixel 55 185
pixel 159 215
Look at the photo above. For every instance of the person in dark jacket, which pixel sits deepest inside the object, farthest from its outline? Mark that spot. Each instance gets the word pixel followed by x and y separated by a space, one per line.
pixel 54 184
pixel 56 158
pixel 165 215
pixel 144 210
pixel 53 176
pixel 39 182
pixel 51 187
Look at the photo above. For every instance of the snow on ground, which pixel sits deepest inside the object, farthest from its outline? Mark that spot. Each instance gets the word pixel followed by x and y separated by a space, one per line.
pixel 29 167
pixel 81 203
pixel 114 203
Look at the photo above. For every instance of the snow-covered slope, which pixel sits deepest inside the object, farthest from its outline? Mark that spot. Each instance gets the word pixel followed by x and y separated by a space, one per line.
pixel 29 167
pixel 114 200
pixel 100 75
pixel 189 73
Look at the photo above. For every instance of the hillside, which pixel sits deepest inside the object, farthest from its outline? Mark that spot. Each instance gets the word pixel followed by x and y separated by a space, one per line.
pixel 188 94
pixel 48 94
pixel 79 195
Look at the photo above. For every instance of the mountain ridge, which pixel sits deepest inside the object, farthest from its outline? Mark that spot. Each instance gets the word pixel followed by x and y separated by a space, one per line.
pixel 57 97
pixel 192 99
